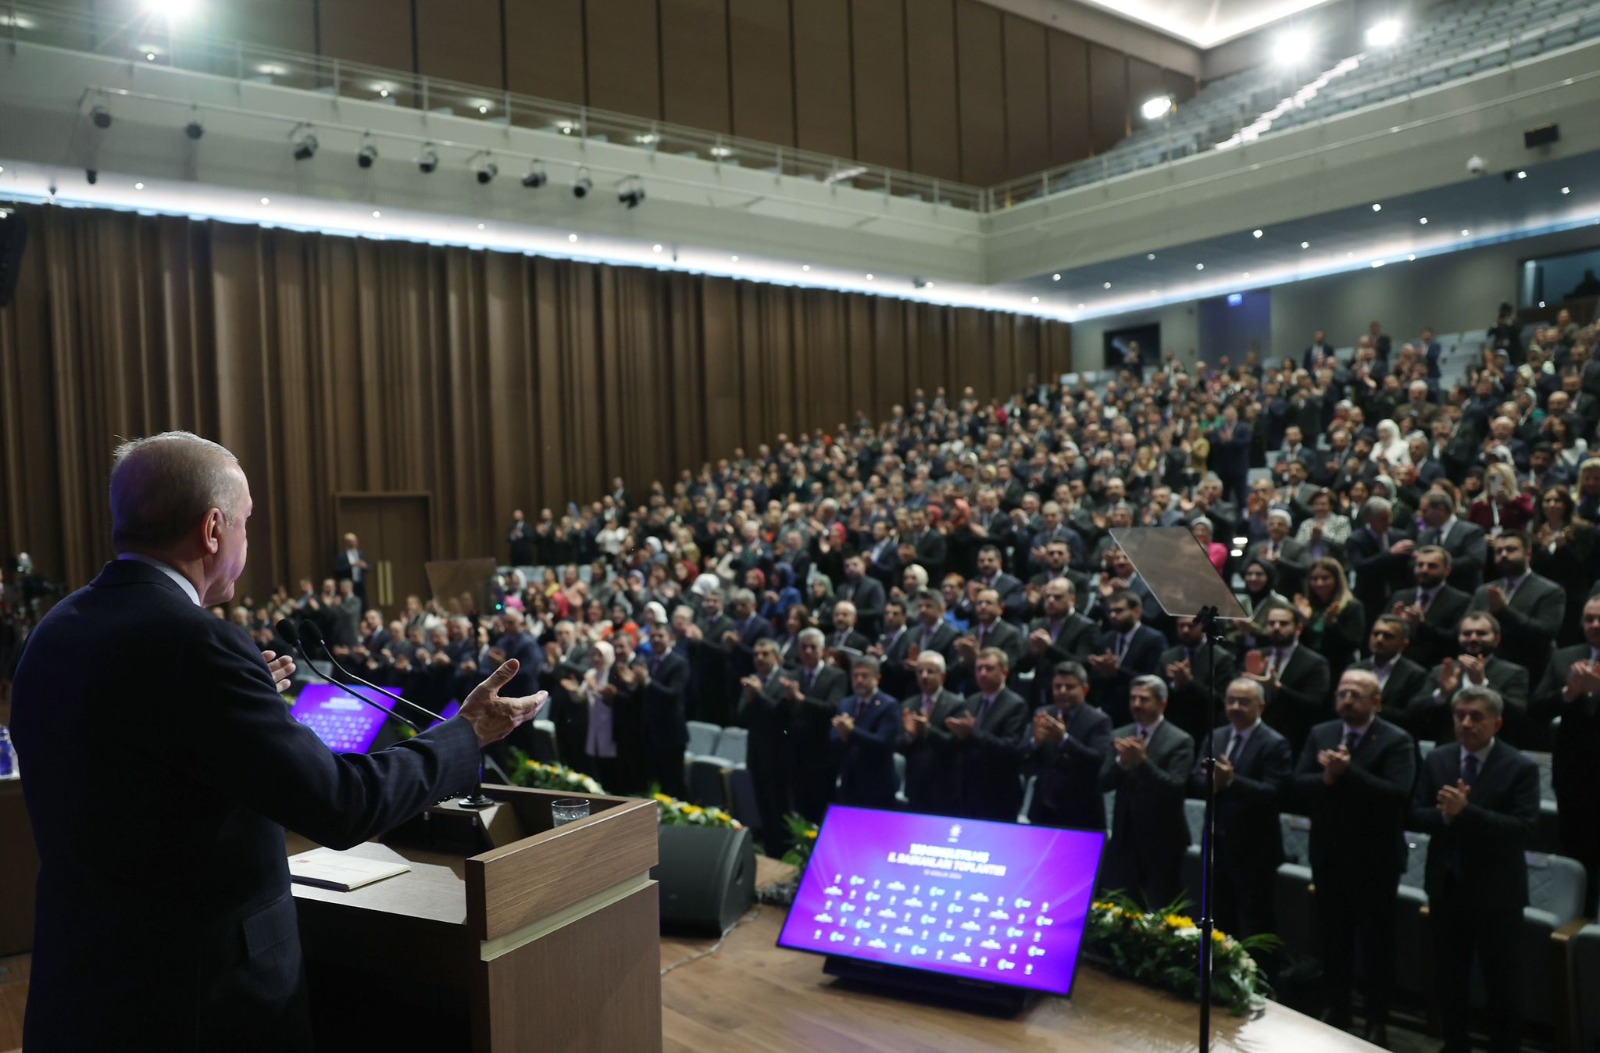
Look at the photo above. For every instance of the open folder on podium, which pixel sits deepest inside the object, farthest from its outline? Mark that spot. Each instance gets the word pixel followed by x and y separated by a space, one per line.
pixel 1178 572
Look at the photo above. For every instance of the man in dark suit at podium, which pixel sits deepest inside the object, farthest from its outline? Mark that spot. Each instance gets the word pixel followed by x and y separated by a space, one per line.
pixel 1478 799
pixel 1253 766
pixel 1069 743
pixel 164 916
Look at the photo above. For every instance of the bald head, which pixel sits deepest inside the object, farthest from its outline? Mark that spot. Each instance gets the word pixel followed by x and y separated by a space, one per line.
pixel 163 486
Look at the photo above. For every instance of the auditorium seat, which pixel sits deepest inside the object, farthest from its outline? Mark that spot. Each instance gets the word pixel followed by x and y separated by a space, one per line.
pixel 1553 916
pixel 1583 982
pixel 1412 963
pixel 703 738
pixel 708 782
pixel 732 746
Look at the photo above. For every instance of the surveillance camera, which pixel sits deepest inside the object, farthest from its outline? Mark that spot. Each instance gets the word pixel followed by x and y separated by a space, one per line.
pixel 367 155
pixel 101 117
pixel 428 161
pixel 194 129
pixel 486 171
pixel 91 175
pixel 1477 165
pixel 535 178
pixel 582 187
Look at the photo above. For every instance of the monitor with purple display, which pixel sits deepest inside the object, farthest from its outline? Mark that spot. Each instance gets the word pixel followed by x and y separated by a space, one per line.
pixel 344 724
pixel 999 902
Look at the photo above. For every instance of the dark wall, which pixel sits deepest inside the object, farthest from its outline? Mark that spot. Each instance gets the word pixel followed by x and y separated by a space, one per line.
pixel 953 89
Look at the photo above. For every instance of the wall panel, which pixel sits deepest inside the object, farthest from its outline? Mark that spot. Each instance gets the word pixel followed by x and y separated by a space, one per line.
pixel 980 73
pixel 373 32
pixel 1027 96
pixel 934 117
pixel 624 56
pixel 1108 97
pixel 762 70
pixel 545 49
pixel 1145 81
pixel 822 77
pixel 878 41
pixel 1069 99
pixel 288 24
pixel 460 40
pixel 694 64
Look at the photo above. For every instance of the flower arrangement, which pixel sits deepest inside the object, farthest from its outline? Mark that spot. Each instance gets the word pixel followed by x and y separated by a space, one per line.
pixel 540 776
pixel 681 813
pixel 803 832
pixel 1161 949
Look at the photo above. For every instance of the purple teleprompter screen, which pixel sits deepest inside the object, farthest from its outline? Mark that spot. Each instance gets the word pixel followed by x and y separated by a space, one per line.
pixel 999 902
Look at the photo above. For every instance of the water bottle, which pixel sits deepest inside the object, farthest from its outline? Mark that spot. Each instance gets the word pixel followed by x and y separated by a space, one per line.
pixel 8 754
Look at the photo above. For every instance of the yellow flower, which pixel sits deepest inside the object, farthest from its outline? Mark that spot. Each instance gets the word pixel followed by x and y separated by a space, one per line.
pixel 811 835
pixel 1178 921
pixel 693 809
pixel 1219 936
pixel 663 798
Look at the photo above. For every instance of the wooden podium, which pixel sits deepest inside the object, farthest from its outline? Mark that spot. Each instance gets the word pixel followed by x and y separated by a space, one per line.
pixel 550 941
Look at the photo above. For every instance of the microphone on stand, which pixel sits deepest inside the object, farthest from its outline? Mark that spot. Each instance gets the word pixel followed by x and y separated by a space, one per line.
pixel 309 630
pixel 286 630
pixel 310 633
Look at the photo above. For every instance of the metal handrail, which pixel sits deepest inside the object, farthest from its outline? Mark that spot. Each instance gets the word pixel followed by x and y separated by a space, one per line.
pixel 148 40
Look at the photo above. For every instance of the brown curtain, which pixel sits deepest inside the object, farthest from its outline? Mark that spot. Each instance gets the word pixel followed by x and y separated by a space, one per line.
pixel 492 381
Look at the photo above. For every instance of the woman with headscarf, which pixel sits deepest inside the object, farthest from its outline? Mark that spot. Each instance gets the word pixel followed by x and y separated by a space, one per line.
pixel 1260 593
pixel 1390 449
pixel 596 694
pixel 1216 552
pixel 781 597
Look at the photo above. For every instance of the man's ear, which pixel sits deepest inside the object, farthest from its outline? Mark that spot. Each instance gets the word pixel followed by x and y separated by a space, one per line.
pixel 211 531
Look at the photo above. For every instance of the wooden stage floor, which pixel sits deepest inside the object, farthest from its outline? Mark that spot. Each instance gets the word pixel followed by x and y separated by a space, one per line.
pixel 751 997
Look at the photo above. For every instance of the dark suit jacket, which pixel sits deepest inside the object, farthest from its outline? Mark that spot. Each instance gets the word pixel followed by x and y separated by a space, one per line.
pixel 1294 560
pixel 942 639
pixel 1476 862
pixel 1358 823
pixel 1434 639
pixel 868 596
pixel 1304 696
pixel 933 785
pixel 990 761
pixel 663 699
pixel 1529 622
pixel 1073 642
pixel 1147 822
pixel 1143 657
pixel 1469 553
pixel 1066 789
pixel 866 762
pixel 1405 680
pixel 1576 742
pixel 1430 718
pixel 1378 571
pixel 1248 834
pixel 1189 706
pixel 164 885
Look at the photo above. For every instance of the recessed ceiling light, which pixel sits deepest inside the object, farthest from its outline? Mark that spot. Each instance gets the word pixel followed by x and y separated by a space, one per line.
pixel 383 93
pixel 1247 274
pixel 266 201
pixel 1305 244
pixel 480 226
pixel 1377 263
pixel 483 109
pixel 138 186
pixel 1349 255
pixel 1080 307
pixel 1465 232
pixel 1423 221
pixel 1199 266
pixel 1412 257
pixel 927 285
pixel 735 259
pixel 1566 190
pixel 149 56
pixel 1383 34
pixel 1150 256
pixel 1055 277
pixel 1541 303
pixel 1035 299
pixel 655 248
pixel 376 214
pixel 572 237
pixel 1377 207
pixel 869 277
pixel 1256 233
pixel 1521 174
pixel 1108 285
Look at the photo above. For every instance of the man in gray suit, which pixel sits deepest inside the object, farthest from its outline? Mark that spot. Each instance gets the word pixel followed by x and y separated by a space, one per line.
pixel 1529 607
pixel 1291 558
pixel 1469 552
pixel 932 787
pixel 1150 770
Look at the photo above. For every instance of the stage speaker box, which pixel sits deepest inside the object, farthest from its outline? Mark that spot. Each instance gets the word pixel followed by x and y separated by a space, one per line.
pixel 13 239
pixel 707 877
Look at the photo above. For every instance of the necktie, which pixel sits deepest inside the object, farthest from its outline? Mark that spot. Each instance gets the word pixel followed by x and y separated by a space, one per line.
pixel 810 675
pixel 1144 733
pixel 1426 599
pixel 983 709
pixel 1469 768
pixel 1509 586
pixel 1382 673
pixel 1235 747
pixel 1431 537
pixel 1122 645
pixel 927 706
pixel 1351 739
pixel 983 634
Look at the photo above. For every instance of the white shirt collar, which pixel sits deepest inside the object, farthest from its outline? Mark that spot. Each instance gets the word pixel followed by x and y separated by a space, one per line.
pixel 1482 755
pixel 184 583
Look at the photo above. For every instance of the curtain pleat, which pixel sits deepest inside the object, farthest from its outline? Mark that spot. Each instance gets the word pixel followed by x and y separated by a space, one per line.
pixel 491 381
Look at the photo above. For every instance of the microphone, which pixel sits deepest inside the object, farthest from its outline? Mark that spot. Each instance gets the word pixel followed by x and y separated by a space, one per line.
pixel 310 633
pixel 285 629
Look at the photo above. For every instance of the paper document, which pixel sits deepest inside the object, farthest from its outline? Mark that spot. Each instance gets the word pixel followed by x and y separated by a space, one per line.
pixel 326 868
